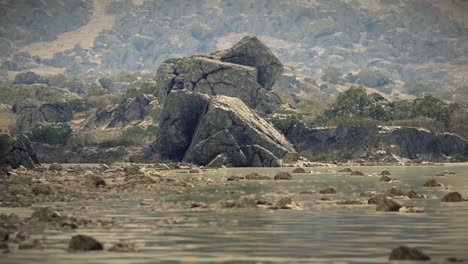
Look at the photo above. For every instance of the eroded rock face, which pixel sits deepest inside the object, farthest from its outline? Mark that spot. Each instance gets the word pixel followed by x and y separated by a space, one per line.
pixel 246 71
pixel 123 114
pixel 16 151
pixel 223 130
pixel 29 115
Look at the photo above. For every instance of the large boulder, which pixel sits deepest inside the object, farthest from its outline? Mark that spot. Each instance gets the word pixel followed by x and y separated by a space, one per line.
pixel 220 130
pixel 246 71
pixel 29 115
pixel 250 51
pixel 16 151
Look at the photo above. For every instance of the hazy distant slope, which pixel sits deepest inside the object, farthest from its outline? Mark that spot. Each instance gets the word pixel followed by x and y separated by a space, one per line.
pixel 405 40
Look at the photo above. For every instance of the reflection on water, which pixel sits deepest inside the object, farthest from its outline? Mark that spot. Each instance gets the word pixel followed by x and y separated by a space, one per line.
pixel 321 233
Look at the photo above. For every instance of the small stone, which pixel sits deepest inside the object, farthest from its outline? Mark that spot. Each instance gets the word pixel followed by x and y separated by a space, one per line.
pixel 357 173
pixel 308 192
pixel 245 202
pixel 194 171
pixel 235 178
pixel 162 166
pixel 103 168
pixel 283 176
pixel 3 245
pixel 84 243
pixel 412 194
pixel 55 167
pixel 432 183
pixel 283 203
pixel 42 189
pixel 440 174
pixel 385 178
pixel 328 190
pixel 4 235
pixel 299 170
pixel 411 209
pixel 256 176
pixel 394 191
pixel 346 170
pixel 407 253
pixel 349 202
pixel 94 180
pixel 43 214
pixel 22 236
pixel 32 244
pixel 123 247
pixel 132 170
pixel 452 197
pixel 384 204
pixel 385 172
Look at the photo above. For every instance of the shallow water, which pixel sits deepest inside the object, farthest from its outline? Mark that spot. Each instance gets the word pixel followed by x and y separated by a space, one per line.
pixel 322 232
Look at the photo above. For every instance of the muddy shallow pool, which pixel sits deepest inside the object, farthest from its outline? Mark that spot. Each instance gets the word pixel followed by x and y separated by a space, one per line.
pixel 319 231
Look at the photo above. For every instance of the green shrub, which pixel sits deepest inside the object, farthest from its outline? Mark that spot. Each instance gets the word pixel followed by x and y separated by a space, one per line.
pixel 332 74
pixel 136 136
pixel 284 120
pixel 50 133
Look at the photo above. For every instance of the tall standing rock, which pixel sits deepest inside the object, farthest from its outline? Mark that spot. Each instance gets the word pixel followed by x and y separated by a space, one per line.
pixel 16 151
pixel 216 129
pixel 246 71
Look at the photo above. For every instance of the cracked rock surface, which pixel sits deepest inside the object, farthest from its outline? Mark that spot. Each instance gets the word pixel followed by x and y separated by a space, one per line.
pixel 246 71
pixel 29 114
pixel 216 131
pixel 16 151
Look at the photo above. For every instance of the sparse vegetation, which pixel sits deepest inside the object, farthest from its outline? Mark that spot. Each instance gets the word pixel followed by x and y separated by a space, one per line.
pixel 50 133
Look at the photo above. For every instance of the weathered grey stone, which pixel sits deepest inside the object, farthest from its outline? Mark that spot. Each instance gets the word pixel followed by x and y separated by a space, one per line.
pixel 394 191
pixel 247 71
pixel 283 176
pixel 215 130
pixel 432 183
pixel 251 51
pixel 256 176
pixel 299 170
pixel 124 113
pixel 452 197
pixel 385 178
pixel 84 243
pixel 16 152
pixel 407 253
pixel 384 204
pixel 50 112
pixel 93 180
pixel 328 190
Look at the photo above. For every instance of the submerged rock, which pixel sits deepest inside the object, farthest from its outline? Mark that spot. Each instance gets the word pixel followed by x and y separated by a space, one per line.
pixel 407 253
pixel 452 197
pixel 346 170
pixel 84 243
pixel 385 172
pixel 357 173
pixel 299 170
pixel 123 247
pixel 432 183
pixel 283 176
pixel 328 190
pixel 384 203
pixel 394 191
pixel 256 176
pixel 385 178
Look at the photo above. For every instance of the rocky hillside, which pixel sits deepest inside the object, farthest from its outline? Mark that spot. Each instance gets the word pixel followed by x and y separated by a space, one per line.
pixel 403 40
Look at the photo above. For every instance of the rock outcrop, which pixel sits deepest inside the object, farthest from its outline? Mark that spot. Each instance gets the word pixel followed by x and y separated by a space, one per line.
pixel 215 131
pixel 379 144
pixel 30 114
pixel 16 151
pixel 247 71
pixel 135 109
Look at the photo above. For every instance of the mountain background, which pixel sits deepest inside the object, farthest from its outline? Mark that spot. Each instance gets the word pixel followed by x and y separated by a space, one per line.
pixel 424 40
